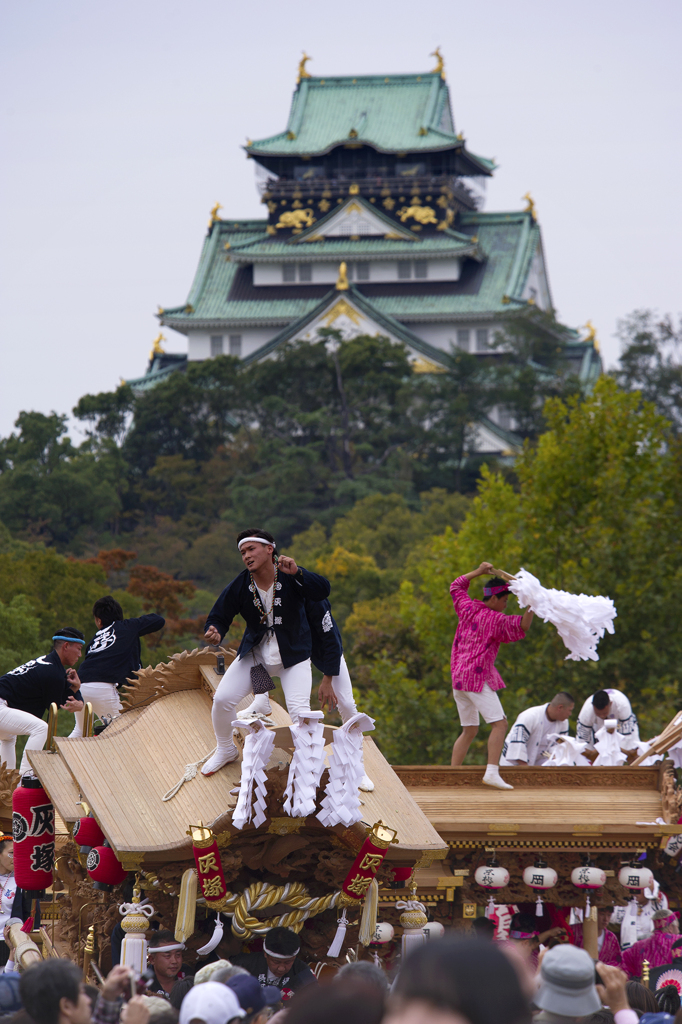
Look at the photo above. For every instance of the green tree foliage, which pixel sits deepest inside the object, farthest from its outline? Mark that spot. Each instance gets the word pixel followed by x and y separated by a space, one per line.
pixel 19 634
pixel 48 488
pixel 295 439
pixel 648 362
pixel 530 366
pixel 597 511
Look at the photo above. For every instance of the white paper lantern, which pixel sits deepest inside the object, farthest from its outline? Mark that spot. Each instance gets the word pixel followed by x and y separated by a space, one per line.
pixel 383 932
pixel 635 878
pixel 588 877
pixel 491 876
pixel 540 877
pixel 434 930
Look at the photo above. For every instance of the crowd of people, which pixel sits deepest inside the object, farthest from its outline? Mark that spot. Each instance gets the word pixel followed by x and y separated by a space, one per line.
pixel 458 979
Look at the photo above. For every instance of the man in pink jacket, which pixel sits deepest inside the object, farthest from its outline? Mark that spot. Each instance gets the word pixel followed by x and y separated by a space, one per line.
pixel 482 627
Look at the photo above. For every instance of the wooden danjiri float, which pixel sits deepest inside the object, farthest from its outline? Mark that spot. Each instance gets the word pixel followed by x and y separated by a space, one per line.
pixel 563 835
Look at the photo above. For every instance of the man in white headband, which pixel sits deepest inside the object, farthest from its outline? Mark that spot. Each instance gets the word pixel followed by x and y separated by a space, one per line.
pixel 165 959
pixel 270 596
pixel 279 963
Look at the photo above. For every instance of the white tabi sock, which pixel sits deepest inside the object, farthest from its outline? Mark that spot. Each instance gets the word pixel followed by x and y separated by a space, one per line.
pixel 222 756
pixel 492 778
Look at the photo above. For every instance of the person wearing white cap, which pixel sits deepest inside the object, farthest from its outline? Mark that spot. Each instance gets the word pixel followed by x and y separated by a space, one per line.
pixel 270 596
pixel 210 1003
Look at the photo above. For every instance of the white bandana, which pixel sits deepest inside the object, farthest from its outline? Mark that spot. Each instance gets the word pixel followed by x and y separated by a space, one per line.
pixel 258 540
pixel 281 956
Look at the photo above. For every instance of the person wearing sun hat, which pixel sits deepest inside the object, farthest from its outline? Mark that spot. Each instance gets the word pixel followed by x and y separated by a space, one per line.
pixel 27 691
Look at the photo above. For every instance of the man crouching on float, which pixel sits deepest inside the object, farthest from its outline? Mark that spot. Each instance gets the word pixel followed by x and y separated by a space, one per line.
pixel 482 627
pixel 270 596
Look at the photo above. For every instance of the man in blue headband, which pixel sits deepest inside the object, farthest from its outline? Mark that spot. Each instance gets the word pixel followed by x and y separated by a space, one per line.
pixel 27 692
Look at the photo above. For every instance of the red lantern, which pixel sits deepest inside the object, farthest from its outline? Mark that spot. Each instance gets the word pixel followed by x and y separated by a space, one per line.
pixel 104 868
pixel 209 867
pixel 33 835
pixel 87 833
pixel 367 863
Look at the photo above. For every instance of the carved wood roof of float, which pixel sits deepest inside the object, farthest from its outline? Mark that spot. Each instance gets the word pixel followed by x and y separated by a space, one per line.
pixel 124 773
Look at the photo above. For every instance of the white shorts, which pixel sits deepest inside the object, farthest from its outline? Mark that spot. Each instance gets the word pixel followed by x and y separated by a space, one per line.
pixel 485 703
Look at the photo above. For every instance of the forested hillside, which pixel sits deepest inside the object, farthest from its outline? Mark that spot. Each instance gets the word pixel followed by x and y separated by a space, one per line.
pixel 362 470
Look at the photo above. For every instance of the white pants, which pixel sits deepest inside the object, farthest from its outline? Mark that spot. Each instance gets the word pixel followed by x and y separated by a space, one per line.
pixel 470 705
pixel 297 683
pixel 15 723
pixel 105 701
pixel 343 688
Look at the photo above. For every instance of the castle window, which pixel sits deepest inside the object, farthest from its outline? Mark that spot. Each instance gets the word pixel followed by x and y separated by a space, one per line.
pixel 288 272
pixel 236 345
pixel 482 339
pixel 305 271
pixel 463 336
pixel 362 271
pixel 404 270
pixel 216 345
pixel 420 268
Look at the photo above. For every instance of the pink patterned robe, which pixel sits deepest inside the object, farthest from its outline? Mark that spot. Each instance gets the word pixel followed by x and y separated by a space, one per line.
pixel 610 951
pixel 479 634
pixel 657 950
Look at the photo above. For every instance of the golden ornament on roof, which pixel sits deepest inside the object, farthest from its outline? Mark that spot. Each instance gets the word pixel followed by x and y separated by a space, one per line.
pixel 440 66
pixel 591 335
pixel 156 349
pixel 342 280
pixel 531 205
pixel 302 73
pixel 214 214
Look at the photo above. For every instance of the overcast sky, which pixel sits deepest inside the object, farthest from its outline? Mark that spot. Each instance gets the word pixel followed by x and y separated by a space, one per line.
pixel 122 122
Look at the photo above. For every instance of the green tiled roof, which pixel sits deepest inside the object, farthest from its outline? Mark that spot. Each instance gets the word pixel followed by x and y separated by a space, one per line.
pixel 506 241
pixel 365 306
pixel 394 113
pixel 336 249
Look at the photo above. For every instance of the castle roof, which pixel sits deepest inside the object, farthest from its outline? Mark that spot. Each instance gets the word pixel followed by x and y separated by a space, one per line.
pixel 502 245
pixel 393 114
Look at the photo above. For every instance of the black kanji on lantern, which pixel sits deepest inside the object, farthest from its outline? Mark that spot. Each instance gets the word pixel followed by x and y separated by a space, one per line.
pixel 42 857
pixel 43 820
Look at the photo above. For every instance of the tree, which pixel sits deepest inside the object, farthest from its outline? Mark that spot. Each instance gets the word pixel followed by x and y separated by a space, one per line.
pixel 60 591
pixel 453 402
pixel 649 363
pixel 530 367
pixel 50 490
pixel 19 634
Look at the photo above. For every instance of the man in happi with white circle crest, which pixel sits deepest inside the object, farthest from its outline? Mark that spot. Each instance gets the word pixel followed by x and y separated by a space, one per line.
pixel 270 596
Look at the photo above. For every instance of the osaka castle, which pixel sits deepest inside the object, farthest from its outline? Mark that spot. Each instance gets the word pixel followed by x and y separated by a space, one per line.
pixel 373 225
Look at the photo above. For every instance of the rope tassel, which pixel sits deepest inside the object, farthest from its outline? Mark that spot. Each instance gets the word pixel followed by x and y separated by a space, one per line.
pixel 336 945
pixel 215 938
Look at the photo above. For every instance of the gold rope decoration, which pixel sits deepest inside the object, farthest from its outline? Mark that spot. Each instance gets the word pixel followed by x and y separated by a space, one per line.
pixel 261 895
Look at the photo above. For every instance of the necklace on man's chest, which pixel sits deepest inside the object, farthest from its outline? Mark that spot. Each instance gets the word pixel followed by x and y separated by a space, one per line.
pixel 260 604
